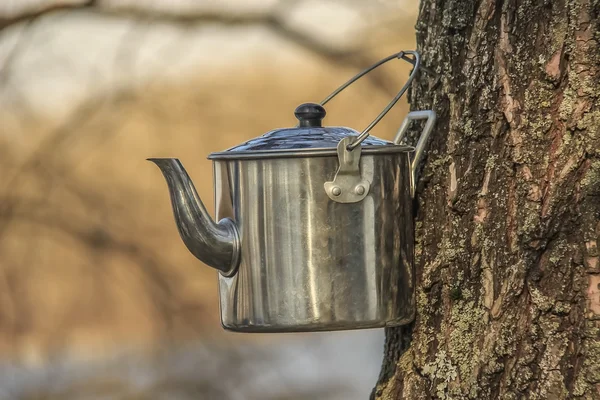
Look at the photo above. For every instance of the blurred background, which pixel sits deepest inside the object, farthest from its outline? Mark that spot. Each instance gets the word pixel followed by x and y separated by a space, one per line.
pixel 99 298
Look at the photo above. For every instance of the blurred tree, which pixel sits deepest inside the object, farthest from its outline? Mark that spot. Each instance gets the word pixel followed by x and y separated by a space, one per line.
pixel 72 231
pixel 509 200
pixel 91 265
pixel 509 206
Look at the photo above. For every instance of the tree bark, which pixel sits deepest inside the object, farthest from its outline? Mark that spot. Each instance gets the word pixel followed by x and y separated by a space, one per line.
pixel 508 219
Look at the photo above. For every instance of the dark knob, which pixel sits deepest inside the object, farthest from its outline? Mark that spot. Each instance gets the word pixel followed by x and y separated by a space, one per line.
pixel 310 114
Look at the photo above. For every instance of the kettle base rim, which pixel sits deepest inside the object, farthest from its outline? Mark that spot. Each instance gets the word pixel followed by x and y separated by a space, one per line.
pixel 316 327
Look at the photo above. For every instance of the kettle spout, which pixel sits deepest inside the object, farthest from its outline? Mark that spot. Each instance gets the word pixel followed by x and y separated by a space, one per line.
pixel 215 244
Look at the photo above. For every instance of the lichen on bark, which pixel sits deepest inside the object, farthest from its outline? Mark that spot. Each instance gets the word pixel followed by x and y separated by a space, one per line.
pixel 508 215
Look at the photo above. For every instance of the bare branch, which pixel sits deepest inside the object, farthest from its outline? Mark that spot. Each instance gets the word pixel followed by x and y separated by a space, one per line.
pixel 15 12
pixel 274 19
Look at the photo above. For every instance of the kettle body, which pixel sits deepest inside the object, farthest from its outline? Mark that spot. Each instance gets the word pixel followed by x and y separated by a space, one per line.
pixel 308 263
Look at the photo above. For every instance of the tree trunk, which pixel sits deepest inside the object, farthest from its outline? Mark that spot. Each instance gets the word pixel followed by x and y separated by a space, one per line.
pixel 508 216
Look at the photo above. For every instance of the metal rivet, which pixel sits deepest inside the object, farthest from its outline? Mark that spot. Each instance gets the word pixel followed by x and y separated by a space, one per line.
pixel 336 191
pixel 359 190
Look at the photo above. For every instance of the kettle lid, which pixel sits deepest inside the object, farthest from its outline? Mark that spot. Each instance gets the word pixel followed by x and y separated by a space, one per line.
pixel 308 138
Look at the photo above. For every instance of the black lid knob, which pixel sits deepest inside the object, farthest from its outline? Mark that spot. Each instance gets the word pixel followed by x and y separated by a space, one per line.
pixel 310 114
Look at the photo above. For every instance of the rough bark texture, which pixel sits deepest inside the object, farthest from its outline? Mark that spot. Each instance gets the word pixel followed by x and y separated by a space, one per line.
pixel 508 223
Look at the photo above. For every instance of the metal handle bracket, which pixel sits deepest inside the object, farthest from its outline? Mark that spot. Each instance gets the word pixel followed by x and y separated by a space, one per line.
pixel 348 185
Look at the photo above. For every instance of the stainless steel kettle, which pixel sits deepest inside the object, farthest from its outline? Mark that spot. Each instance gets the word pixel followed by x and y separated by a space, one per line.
pixel 315 224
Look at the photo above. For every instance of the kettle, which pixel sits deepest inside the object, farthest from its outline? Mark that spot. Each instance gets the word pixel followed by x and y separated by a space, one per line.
pixel 314 224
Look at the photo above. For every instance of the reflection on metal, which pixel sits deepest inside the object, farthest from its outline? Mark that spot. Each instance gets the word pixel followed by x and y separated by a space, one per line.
pixel 295 257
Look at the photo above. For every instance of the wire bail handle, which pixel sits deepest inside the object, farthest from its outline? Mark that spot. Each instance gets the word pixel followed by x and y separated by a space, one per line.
pixel 416 61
